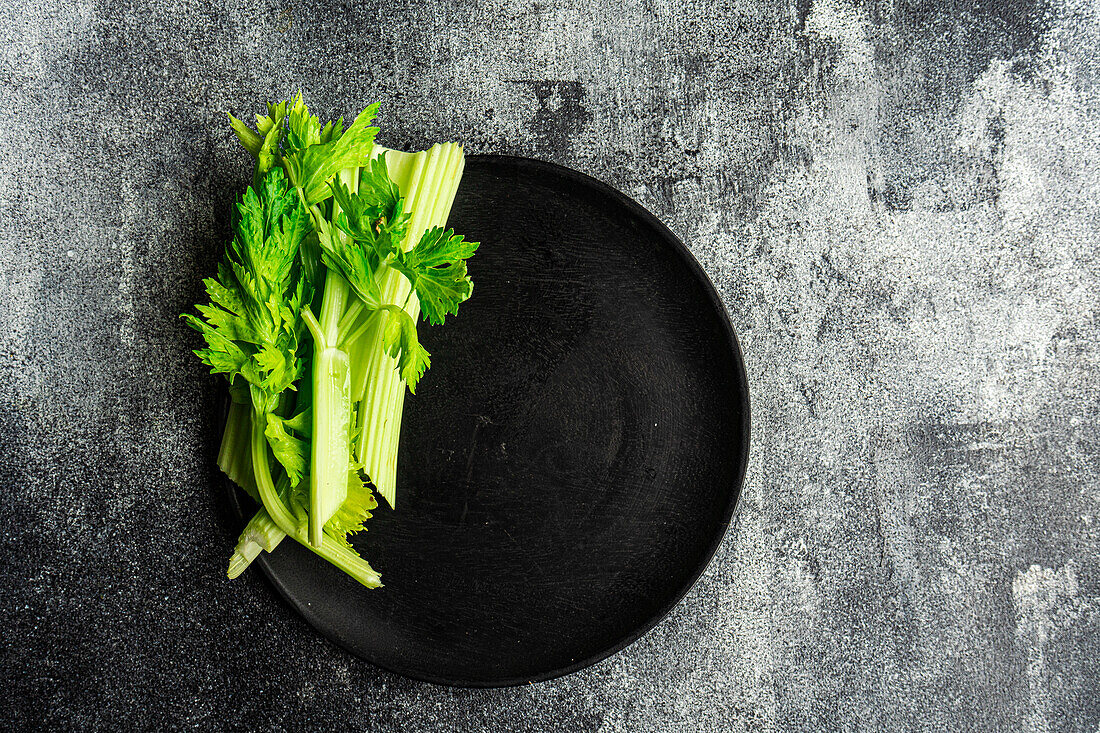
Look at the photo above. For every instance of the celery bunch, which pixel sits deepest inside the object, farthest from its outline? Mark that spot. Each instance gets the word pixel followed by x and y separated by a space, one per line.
pixel 337 248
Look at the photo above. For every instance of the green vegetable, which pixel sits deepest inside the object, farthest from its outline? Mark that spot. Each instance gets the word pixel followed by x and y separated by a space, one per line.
pixel 337 247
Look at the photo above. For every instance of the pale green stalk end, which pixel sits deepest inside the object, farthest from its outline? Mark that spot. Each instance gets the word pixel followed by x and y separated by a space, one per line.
pixel 246 552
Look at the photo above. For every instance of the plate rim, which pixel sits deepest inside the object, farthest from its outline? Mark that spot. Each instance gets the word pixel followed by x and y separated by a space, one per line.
pixel 729 512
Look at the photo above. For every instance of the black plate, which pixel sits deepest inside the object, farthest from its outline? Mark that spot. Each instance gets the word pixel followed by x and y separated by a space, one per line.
pixel 569 463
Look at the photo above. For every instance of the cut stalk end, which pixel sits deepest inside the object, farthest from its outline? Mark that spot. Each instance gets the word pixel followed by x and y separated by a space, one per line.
pixel 246 552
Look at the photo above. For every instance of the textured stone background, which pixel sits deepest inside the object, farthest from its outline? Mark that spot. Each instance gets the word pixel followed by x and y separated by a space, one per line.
pixel 897 200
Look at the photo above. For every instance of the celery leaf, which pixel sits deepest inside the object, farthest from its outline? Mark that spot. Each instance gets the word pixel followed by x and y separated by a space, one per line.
pixel 399 340
pixel 436 267
pixel 355 510
pixel 252 325
pixel 347 256
pixel 311 168
pixel 291 452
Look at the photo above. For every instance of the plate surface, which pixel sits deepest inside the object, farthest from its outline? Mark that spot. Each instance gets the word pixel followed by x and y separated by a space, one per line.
pixel 569 463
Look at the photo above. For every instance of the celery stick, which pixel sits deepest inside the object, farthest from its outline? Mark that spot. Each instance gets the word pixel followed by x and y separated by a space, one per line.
pixel 260 534
pixel 339 555
pixel 327 205
pixel 331 455
pixel 331 458
pixel 235 454
pixel 429 198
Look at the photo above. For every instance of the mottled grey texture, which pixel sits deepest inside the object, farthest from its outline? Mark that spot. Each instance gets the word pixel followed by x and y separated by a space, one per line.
pixel 897 201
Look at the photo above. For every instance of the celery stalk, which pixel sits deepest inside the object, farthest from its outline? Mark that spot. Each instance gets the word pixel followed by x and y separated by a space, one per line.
pixel 428 183
pixel 331 454
pixel 330 459
pixel 326 205
pixel 260 534
pixel 235 454
pixel 329 549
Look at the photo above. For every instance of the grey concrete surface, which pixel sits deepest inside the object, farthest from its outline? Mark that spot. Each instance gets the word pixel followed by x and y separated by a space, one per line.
pixel 899 202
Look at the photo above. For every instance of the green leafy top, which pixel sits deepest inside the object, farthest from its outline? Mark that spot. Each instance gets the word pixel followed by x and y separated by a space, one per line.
pixel 367 230
pixel 355 510
pixel 374 223
pixel 312 167
pixel 375 214
pixel 363 235
pixel 356 263
pixel 252 326
pixel 366 236
pixel 436 267
pixel 311 154
pixel 304 129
